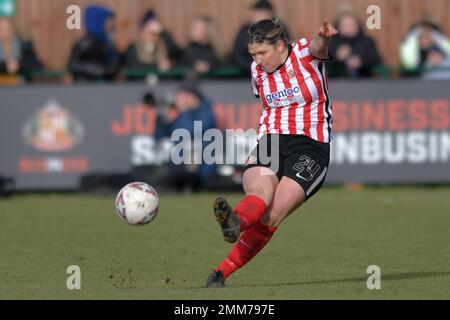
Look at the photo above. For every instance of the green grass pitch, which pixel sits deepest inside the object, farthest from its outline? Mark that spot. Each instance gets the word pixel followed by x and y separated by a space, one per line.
pixel 322 251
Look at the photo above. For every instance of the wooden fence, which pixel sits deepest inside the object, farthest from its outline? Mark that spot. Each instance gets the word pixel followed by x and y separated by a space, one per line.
pixel 45 20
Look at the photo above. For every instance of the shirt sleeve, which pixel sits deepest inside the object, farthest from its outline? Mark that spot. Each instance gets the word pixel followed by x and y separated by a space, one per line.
pixel 255 86
pixel 303 46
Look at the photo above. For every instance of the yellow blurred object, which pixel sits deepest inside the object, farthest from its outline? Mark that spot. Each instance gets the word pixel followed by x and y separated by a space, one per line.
pixel 9 80
pixel 354 186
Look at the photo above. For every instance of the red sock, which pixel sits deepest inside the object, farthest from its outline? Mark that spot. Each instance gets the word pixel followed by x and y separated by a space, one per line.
pixel 248 245
pixel 250 210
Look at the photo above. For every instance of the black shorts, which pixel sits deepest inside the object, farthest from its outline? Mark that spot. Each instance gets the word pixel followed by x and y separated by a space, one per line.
pixel 298 157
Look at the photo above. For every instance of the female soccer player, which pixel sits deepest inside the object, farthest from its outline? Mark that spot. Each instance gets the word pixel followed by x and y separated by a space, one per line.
pixel 294 133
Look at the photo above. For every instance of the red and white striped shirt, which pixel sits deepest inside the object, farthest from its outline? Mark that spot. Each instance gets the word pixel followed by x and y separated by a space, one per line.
pixel 295 97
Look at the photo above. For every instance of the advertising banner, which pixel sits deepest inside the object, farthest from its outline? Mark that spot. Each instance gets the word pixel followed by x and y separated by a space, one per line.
pixel 384 131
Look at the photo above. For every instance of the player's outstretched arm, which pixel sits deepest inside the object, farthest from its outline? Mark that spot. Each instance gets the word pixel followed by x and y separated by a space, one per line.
pixel 319 44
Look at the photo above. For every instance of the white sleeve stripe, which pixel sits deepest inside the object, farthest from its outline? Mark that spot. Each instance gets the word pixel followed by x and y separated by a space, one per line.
pixel 302 53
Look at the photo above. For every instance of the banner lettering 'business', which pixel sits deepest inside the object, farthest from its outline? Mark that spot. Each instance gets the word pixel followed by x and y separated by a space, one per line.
pixel 391 131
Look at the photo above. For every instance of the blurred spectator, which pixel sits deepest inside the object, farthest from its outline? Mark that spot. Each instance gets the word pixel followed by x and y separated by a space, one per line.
pixel 205 50
pixel 437 65
pixel 17 55
pixel 173 50
pixel 190 105
pixel 424 45
pixel 95 57
pixel 161 110
pixel 355 54
pixel 150 50
pixel 155 168
pixel 260 10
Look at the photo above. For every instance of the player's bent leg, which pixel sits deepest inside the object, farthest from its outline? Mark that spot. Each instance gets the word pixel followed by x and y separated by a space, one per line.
pixel 259 185
pixel 288 197
pixel 260 182
pixel 250 243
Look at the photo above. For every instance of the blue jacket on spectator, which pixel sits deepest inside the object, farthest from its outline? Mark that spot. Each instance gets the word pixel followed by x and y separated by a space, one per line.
pixel 203 113
pixel 205 173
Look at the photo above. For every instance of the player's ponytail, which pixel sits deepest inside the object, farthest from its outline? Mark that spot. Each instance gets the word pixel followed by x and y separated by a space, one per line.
pixel 270 31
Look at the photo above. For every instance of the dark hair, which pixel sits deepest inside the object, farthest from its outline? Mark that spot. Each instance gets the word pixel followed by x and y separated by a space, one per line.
pixel 190 86
pixel 428 24
pixel 270 31
pixel 149 15
pixel 149 99
pixel 262 5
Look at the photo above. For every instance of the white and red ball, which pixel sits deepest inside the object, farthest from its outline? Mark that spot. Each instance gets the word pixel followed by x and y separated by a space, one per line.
pixel 137 203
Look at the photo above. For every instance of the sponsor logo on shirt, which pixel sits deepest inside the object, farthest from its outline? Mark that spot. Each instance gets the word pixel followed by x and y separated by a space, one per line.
pixel 282 94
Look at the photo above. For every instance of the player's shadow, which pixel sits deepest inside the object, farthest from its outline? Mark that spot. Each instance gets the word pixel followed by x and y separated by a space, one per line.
pixel 384 277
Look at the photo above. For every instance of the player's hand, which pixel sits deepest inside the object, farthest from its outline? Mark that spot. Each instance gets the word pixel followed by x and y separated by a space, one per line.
pixel 326 30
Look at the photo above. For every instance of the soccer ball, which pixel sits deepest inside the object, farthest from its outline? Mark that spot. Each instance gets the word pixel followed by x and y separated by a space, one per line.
pixel 137 203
